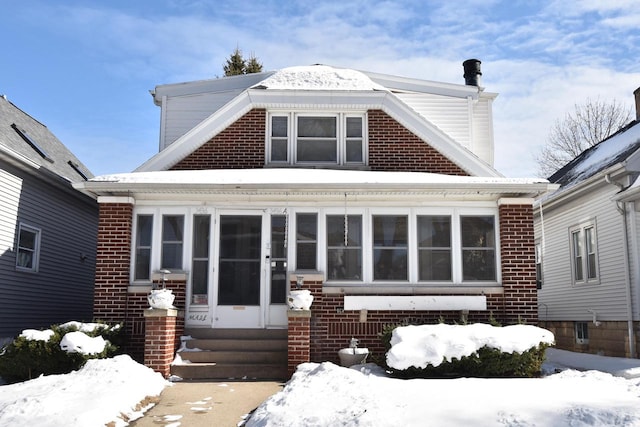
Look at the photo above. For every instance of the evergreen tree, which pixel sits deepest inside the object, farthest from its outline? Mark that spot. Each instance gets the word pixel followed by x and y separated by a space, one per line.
pixel 237 65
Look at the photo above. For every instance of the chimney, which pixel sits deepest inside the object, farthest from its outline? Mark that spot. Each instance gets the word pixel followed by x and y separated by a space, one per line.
pixel 472 72
pixel 636 94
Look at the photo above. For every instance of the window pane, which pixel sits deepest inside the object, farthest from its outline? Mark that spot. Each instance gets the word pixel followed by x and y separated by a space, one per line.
pixel 435 264
pixel 316 150
pixel 478 248
pixel 278 294
pixel 201 236
pixel 344 262
pixel 200 266
pixel 390 247
pixel 279 150
pixel 279 126
pixel 591 253
pixel 434 243
pixel 576 238
pixel 142 269
pixel 478 265
pixel 306 241
pixel 354 151
pixel 478 231
pixel 172 228
pixel 323 127
pixel 354 127
pixel 145 224
pixel 172 232
pixel 27 239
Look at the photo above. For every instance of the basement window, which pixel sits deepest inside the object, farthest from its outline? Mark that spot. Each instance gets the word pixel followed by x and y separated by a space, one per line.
pixel 582 333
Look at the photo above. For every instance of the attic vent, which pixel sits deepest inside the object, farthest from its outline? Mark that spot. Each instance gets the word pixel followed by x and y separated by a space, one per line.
pixel 31 142
pixel 76 168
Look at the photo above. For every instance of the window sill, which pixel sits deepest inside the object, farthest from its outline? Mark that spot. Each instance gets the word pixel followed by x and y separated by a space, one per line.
pixel 412 290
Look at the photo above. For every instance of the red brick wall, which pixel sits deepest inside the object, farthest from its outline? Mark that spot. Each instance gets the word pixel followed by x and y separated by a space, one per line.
pixel 113 303
pixel 392 148
pixel 517 252
pixel 113 261
pixel 159 346
pixel 240 146
pixel 332 327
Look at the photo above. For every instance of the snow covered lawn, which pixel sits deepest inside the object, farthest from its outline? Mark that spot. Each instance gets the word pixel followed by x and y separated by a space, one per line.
pixel 103 391
pixel 325 395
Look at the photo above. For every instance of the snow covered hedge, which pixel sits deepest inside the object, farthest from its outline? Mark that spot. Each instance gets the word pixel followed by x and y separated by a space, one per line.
pixel 477 350
pixel 57 350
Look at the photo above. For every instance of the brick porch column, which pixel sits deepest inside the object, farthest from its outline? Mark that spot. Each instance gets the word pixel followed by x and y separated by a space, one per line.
pixel 299 341
pixel 160 339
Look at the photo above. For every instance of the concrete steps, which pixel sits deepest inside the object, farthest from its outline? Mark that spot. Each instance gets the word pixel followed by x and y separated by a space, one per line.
pixel 233 354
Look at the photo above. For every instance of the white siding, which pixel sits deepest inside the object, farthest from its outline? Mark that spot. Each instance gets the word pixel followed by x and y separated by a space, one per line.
pixel 182 113
pixel 467 122
pixel 10 187
pixel 559 298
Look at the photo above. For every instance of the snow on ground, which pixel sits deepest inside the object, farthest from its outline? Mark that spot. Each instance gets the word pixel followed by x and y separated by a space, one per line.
pixel 103 391
pixel 323 394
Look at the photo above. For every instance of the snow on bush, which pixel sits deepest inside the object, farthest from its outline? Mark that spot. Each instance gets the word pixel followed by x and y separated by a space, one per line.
pixel 79 342
pixel 423 345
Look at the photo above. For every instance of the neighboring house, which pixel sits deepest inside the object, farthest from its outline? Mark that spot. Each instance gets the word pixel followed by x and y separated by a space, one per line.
pixel 376 192
pixel 588 246
pixel 48 229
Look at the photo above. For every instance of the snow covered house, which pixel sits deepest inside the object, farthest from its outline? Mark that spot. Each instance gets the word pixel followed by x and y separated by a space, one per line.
pixel 48 229
pixel 375 192
pixel 588 247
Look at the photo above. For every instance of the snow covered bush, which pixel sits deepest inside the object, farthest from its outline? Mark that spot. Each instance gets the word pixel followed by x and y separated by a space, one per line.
pixel 57 350
pixel 477 350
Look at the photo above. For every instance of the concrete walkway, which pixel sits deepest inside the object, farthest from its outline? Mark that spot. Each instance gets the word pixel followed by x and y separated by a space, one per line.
pixel 195 404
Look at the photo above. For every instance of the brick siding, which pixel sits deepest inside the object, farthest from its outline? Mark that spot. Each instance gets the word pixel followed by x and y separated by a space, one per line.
pixel 391 147
pixel 394 148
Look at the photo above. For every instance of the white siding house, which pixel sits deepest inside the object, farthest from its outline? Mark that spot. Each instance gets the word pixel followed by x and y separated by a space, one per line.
pixel 588 248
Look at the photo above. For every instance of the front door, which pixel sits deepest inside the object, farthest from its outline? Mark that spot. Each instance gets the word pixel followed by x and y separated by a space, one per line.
pixel 244 297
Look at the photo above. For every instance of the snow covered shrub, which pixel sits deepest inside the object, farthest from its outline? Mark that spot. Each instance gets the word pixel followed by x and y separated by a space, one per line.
pixel 58 350
pixel 477 350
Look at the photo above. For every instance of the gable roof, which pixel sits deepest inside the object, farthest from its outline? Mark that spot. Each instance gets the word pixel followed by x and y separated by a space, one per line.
pixel 26 142
pixel 319 87
pixel 617 148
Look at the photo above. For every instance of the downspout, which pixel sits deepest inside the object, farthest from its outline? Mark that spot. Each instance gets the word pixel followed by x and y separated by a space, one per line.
pixel 622 208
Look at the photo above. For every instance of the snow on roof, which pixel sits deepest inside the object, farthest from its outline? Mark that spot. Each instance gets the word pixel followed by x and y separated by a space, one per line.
pixel 606 153
pixel 319 77
pixel 299 176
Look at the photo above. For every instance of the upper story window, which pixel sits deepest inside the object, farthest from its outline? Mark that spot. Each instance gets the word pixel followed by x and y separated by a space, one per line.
pixel 316 139
pixel 584 254
pixel 28 248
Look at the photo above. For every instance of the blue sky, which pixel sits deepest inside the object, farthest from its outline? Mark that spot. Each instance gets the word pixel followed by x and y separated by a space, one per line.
pixel 84 68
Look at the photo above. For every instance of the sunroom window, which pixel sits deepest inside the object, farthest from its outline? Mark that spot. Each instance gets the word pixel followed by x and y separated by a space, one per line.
pixel 344 247
pixel 478 248
pixel 434 247
pixel 316 139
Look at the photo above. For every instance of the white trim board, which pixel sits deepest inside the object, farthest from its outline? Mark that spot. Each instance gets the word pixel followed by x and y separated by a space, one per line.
pixel 415 302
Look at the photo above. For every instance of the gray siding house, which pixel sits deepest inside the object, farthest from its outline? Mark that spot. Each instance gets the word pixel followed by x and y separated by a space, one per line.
pixel 47 228
pixel 588 248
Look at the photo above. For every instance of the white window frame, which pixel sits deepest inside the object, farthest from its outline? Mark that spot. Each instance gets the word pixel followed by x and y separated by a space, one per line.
pixel 156 238
pixel 580 230
pixel 35 251
pixel 413 267
pixel 341 137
